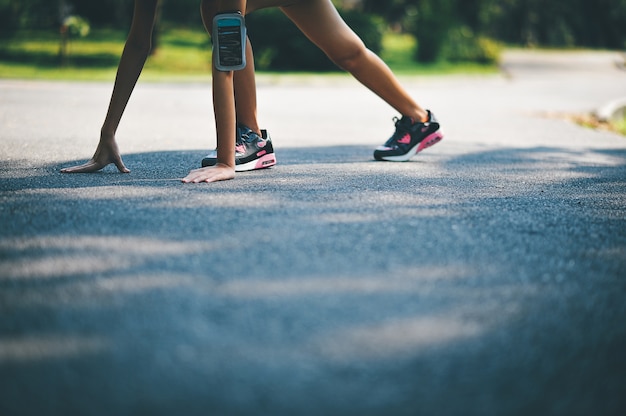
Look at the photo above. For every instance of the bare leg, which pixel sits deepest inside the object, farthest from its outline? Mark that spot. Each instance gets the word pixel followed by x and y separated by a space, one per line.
pixel 133 58
pixel 244 80
pixel 225 117
pixel 322 24
pixel 245 93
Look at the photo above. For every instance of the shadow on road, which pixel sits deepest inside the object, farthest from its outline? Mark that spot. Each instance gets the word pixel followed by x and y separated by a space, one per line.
pixel 484 283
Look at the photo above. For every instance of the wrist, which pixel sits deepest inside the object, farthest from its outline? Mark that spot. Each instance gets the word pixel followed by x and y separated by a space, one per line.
pixel 226 165
pixel 107 136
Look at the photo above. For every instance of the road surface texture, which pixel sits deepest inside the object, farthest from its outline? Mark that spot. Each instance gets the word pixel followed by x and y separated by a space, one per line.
pixel 487 276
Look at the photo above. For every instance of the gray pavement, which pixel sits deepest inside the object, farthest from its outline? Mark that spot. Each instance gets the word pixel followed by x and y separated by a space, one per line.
pixel 484 277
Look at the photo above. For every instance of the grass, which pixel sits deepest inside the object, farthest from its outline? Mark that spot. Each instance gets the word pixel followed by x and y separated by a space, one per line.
pixel 591 121
pixel 399 50
pixel 620 126
pixel 182 55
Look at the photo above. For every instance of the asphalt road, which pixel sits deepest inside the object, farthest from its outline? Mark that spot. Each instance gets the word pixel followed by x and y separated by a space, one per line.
pixel 484 277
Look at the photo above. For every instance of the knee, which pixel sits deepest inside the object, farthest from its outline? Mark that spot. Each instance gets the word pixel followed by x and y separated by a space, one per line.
pixel 208 10
pixel 350 58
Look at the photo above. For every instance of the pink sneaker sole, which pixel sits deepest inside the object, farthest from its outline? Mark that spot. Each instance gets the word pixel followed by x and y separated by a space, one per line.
pixel 263 162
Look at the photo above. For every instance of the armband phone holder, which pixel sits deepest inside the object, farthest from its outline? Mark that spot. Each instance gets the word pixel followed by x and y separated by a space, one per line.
pixel 229 41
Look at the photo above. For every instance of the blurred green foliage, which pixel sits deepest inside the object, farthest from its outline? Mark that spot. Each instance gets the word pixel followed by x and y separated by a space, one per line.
pixel 545 23
pixel 76 26
pixel 444 30
pixel 463 45
pixel 285 48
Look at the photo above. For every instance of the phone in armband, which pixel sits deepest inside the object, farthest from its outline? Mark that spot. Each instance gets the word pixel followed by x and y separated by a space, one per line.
pixel 229 41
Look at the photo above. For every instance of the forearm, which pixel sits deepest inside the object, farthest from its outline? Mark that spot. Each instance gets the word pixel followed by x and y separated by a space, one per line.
pixel 225 118
pixel 128 71
pixel 133 58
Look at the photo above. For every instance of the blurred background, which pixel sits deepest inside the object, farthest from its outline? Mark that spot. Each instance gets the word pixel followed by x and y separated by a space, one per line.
pixel 83 39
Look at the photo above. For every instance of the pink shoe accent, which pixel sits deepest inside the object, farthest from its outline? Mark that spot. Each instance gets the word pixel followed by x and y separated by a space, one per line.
pixel 406 139
pixel 429 141
pixel 266 161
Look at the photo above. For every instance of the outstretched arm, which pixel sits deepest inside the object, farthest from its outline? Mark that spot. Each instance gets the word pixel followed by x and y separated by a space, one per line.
pixel 136 51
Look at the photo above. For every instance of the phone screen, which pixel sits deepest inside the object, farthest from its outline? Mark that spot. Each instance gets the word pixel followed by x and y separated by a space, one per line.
pixel 229 40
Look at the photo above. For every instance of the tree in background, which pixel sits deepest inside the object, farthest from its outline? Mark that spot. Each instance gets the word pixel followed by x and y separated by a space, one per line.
pixel 444 29
pixel 554 23
pixel 285 48
pixel 601 23
pixel 9 11
pixel 559 23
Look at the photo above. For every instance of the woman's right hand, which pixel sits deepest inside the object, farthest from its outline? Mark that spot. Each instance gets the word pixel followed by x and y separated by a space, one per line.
pixel 106 153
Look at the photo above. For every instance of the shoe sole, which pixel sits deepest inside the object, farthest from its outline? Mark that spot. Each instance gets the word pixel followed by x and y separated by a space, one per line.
pixel 429 141
pixel 263 162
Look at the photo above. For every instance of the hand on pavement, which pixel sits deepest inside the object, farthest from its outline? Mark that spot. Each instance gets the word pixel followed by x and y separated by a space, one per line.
pixel 219 172
pixel 107 152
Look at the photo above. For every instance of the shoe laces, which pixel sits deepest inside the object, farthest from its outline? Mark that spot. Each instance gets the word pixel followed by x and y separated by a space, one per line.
pixel 402 128
pixel 248 135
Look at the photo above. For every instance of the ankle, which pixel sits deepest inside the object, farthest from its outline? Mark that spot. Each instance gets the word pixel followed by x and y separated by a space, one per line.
pixel 421 116
pixel 418 116
pixel 252 126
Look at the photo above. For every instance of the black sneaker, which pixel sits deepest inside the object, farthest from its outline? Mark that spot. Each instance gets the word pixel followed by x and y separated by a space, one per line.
pixel 409 138
pixel 251 151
